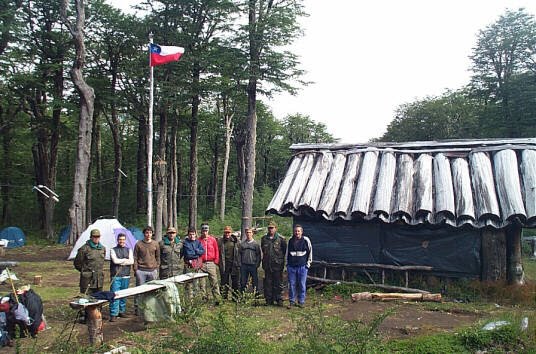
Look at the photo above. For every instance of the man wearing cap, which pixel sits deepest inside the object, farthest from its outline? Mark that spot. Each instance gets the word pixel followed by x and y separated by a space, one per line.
pixel 121 260
pixel 170 254
pixel 274 247
pixel 210 259
pixel 89 261
pixel 229 261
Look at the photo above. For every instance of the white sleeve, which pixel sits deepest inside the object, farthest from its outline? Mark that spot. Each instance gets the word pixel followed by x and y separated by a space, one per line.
pixel 310 258
pixel 130 259
pixel 122 261
pixel 114 258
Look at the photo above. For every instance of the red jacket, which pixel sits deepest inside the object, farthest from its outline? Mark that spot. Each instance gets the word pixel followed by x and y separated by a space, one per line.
pixel 212 253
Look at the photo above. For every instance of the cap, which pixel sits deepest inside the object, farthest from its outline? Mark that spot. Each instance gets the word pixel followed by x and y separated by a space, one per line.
pixel 204 227
pixel 171 229
pixel 272 224
pixel 95 232
pixel 227 229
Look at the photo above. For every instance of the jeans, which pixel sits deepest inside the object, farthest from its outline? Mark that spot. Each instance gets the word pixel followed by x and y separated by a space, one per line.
pixel 119 306
pixel 247 270
pixel 297 278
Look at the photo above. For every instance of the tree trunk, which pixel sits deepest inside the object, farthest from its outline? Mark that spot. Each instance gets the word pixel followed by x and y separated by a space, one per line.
pixel 172 177
pixel 141 176
pixel 214 183
pixel 192 213
pixel 513 255
pixel 77 211
pixel 116 138
pixel 228 117
pixel 160 170
pixel 5 119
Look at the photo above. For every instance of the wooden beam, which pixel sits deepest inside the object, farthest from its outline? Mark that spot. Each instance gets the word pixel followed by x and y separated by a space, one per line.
pixel 379 286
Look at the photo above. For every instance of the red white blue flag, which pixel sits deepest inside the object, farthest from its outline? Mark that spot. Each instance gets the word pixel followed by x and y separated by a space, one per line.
pixel 162 54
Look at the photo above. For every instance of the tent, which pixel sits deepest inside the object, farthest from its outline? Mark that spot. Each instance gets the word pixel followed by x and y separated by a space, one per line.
pixel 14 235
pixel 64 234
pixel 136 232
pixel 109 229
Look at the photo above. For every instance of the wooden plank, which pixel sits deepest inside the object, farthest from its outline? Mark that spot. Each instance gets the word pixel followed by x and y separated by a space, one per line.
pixel 353 162
pixel 384 187
pixel 486 202
pixel 280 195
pixel 315 185
pixel 331 189
pixel 300 181
pixel 373 265
pixel 508 184
pixel 402 204
pixel 365 183
pixel 462 189
pixel 379 286
pixel 422 198
pixel 528 171
pixel 443 187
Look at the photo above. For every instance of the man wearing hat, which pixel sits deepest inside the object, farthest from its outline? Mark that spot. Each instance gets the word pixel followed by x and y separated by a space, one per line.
pixel 170 254
pixel 229 261
pixel 274 247
pixel 211 260
pixel 89 261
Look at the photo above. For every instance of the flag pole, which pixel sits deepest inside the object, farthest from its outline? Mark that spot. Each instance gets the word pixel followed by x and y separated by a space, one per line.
pixel 150 144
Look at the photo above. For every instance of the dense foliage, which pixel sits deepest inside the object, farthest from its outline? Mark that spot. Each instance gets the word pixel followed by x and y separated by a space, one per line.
pixel 193 98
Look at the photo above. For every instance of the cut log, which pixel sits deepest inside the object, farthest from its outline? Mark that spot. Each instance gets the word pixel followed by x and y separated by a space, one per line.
pixel 94 325
pixel 431 297
pixel 395 296
pixel 361 296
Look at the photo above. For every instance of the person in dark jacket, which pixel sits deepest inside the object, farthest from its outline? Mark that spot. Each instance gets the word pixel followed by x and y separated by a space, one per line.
pixel 250 260
pixel 192 250
pixel 121 260
pixel 89 261
pixel 299 258
pixel 170 254
pixel 228 246
pixel 274 248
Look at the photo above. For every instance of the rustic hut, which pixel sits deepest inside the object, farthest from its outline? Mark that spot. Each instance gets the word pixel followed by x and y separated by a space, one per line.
pixel 453 208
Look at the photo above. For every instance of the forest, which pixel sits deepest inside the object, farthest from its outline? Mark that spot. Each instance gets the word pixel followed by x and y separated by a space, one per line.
pixel 214 136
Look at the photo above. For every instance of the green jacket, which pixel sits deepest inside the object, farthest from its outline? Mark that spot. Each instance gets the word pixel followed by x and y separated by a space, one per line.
pixel 273 252
pixel 170 258
pixel 89 261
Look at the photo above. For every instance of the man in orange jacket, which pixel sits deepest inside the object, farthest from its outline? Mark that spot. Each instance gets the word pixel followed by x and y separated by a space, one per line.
pixel 211 260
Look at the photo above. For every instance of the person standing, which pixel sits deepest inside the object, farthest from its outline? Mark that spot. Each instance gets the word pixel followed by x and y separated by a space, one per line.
pixel 170 254
pixel 121 259
pixel 89 261
pixel 274 247
pixel 228 246
pixel 299 259
pixel 211 260
pixel 250 259
pixel 192 250
pixel 146 258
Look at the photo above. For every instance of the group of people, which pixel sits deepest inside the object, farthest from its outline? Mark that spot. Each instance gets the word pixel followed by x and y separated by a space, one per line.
pixel 236 262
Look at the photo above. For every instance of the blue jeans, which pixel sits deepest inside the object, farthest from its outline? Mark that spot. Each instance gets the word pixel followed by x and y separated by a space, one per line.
pixel 118 306
pixel 297 278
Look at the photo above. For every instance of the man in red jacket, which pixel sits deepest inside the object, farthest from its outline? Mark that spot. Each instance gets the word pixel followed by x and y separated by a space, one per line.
pixel 211 260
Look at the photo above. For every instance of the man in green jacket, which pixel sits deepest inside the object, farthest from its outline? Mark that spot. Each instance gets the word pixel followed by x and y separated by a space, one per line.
pixel 170 254
pixel 89 261
pixel 274 248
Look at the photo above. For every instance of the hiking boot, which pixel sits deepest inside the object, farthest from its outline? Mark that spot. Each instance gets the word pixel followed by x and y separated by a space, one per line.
pixel 280 303
pixel 123 315
pixel 113 318
pixel 301 305
pixel 289 306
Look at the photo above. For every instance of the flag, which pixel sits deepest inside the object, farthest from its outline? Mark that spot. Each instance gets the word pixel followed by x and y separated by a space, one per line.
pixel 162 54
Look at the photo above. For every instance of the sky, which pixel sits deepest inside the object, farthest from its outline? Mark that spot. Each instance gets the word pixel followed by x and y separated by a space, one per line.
pixel 367 57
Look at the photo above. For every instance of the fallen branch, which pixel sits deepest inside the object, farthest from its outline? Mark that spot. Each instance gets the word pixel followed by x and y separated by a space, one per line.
pixel 395 296
pixel 379 286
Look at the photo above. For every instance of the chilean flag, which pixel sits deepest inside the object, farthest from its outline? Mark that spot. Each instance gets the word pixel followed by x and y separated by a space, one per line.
pixel 162 54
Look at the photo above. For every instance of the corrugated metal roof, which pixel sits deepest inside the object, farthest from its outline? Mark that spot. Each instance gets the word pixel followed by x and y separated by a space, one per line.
pixel 461 182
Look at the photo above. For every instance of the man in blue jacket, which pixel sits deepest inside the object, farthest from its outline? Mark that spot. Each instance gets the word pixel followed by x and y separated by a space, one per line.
pixel 299 258
pixel 192 250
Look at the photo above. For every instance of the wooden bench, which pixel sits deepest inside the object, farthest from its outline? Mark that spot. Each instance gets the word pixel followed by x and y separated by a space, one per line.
pixel 93 309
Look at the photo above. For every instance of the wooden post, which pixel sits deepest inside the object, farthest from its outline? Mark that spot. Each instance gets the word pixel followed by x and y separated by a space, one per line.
pixel 513 255
pixel 493 255
pixel 94 325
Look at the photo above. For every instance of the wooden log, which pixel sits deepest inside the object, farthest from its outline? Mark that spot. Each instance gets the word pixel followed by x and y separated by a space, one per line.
pixel 396 296
pixel 362 296
pixel 373 265
pixel 94 325
pixel 431 297
pixel 379 286
pixel 513 255
pixel 493 255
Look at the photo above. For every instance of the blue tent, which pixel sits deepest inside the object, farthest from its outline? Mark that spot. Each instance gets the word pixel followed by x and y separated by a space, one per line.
pixel 64 234
pixel 136 232
pixel 14 235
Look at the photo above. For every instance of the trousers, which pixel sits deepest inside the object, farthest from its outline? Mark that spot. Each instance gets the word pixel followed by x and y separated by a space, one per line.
pixel 119 306
pixel 297 279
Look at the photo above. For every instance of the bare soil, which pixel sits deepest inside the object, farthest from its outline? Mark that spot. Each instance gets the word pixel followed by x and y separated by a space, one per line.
pixel 409 318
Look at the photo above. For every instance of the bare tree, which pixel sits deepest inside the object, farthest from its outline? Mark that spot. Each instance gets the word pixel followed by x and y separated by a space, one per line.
pixel 77 211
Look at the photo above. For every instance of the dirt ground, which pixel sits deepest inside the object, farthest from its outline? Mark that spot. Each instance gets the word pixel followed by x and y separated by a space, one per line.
pixel 408 319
